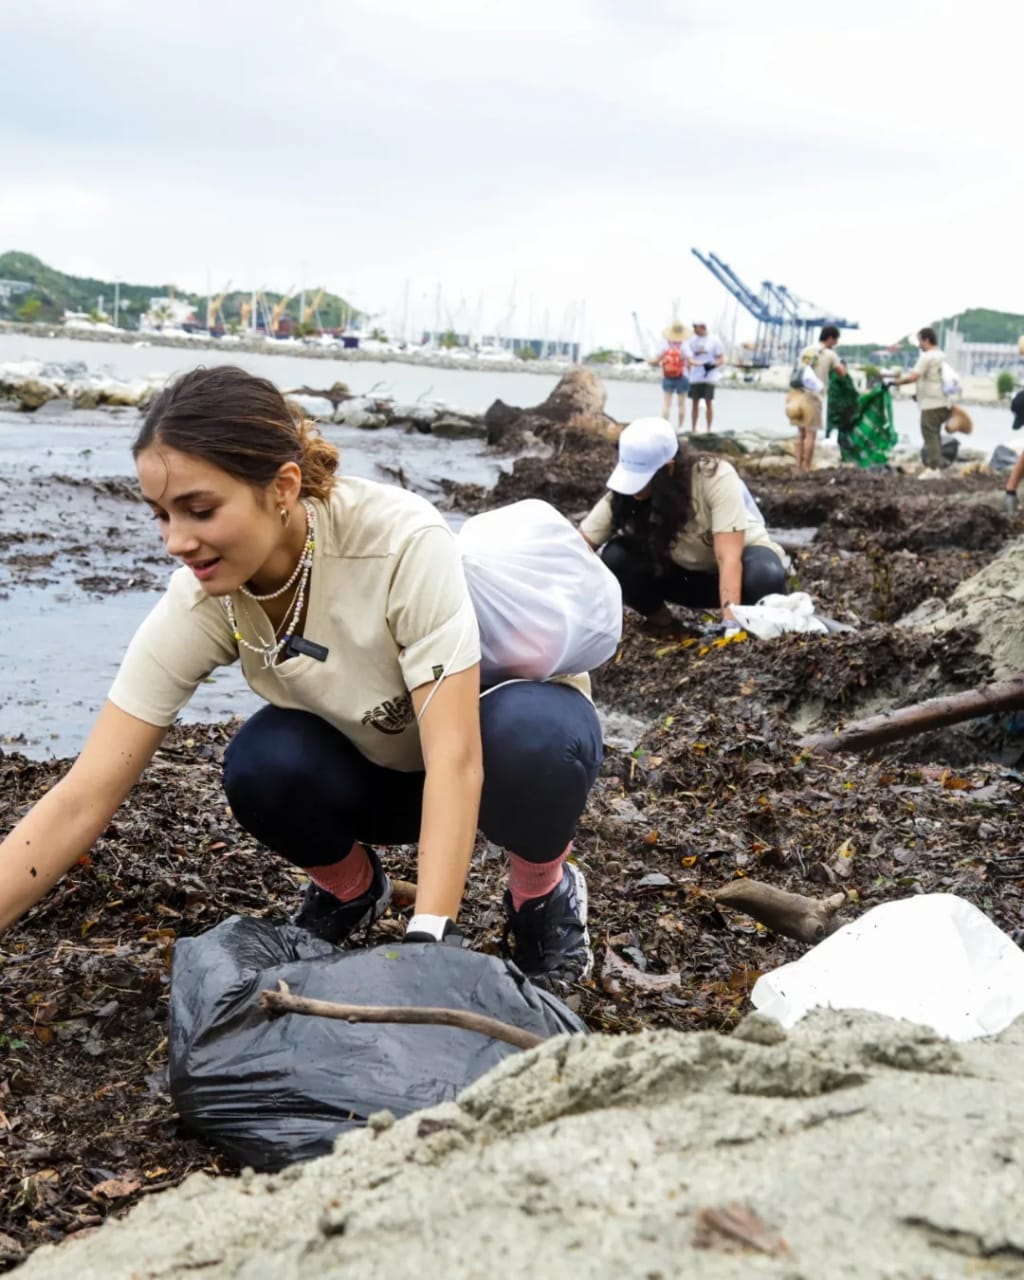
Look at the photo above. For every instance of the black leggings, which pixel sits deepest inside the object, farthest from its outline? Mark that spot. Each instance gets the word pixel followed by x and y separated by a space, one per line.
pixel 646 591
pixel 302 788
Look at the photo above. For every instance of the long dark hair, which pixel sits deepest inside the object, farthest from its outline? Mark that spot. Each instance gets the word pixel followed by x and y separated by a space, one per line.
pixel 655 521
pixel 243 425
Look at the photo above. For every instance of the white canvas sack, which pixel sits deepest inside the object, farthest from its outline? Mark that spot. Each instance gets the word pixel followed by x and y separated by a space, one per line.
pixel 545 603
pixel 950 380
pixel 934 959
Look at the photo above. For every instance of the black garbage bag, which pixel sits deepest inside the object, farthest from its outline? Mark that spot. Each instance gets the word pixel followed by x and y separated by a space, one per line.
pixel 271 1091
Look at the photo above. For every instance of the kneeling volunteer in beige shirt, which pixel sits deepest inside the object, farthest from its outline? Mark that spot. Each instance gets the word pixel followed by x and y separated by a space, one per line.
pixel 346 604
pixel 681 526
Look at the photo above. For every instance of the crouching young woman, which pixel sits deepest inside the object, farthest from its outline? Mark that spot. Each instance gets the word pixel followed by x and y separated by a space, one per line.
pixel 681 526
pixel 346 603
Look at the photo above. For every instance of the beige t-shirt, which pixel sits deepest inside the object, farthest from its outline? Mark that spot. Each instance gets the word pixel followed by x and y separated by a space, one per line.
pixel 387 598
pixel 930 394
pixel 722 503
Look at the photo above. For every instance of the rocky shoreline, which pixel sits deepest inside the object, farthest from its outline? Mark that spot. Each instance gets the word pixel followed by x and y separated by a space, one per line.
pixel 626 1152
pixel 639 372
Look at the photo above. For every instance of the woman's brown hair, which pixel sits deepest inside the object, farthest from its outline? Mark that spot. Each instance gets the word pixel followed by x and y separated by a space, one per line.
pixel 242 424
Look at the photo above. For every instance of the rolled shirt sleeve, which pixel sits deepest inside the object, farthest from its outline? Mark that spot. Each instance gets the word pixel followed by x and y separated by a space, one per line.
pixel 429 610
pixel 598 525
pixel 184 637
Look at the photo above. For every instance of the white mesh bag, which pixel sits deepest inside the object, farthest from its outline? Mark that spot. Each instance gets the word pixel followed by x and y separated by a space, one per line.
pixel 546 604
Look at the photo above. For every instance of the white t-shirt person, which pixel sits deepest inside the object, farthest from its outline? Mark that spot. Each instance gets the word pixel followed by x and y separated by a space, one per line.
pixel 702 350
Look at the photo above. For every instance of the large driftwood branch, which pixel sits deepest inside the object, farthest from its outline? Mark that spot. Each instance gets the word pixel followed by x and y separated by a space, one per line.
pixel 278 1002
pixel 936 713
pixel 791 914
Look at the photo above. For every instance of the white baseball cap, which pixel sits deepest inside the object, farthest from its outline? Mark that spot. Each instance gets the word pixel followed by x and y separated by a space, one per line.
pixel 645 446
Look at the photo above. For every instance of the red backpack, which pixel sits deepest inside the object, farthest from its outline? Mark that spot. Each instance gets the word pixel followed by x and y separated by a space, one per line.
pixel 672 362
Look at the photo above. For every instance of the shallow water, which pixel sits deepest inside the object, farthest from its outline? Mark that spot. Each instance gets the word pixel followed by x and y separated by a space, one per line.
pixel 61 640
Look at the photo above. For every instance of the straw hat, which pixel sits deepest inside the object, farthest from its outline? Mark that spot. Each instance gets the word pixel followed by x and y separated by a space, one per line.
pixel 959 420
pixel 799 409
pixel 677 332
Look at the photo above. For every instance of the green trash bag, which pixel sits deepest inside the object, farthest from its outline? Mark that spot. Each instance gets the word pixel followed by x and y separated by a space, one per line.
pixel 863 423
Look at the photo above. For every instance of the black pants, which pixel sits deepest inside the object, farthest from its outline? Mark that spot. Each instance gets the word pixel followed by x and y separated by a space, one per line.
pixel 646 591
pixel 303 789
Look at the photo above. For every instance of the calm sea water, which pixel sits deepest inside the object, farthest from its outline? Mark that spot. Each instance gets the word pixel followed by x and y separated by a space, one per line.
pixel 735 410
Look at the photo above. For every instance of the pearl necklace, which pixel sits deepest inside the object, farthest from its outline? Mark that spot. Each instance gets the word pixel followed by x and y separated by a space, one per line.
pixel 273 595
pixel 270 650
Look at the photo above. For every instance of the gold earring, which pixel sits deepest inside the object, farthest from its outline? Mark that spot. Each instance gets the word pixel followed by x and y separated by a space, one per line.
pixel 285 516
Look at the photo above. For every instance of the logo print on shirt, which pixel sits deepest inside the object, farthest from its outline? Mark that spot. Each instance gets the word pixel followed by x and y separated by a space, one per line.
pixel 393 715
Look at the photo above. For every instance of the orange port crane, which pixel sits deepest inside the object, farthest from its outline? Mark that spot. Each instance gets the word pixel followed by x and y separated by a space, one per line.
pixel 278 309
pixel 213 306
pixel 310 311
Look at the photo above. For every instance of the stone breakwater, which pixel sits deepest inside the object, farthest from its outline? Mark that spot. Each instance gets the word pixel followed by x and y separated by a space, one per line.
pixel 27 385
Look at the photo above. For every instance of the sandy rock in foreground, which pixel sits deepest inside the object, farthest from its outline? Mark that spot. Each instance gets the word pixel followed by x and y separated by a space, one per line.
pixel 990 601
pixel 863 1148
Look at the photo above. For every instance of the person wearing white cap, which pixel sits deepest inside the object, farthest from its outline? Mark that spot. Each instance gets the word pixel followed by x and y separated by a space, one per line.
pixel 705 355
pixel 681 526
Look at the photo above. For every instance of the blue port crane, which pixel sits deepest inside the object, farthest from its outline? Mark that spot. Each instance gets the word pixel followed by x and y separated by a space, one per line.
pixel 785 323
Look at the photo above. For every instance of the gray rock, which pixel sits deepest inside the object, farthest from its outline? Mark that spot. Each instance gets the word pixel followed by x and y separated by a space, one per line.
pixel 318 407
pixel 992 602
pixel 353 409
pixel 452 428
pixel 871 1147
pixel 33 392
pixel 420 414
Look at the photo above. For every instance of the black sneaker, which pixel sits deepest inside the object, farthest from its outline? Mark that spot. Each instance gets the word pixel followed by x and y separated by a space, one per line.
pixel 326 916
pixel 552 945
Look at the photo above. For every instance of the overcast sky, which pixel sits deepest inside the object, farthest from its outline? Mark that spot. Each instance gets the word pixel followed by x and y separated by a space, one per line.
pixel 538 160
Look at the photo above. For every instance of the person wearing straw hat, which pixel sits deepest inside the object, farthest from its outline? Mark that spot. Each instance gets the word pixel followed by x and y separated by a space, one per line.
pixel 674 381
pixel 805 407
pixel 678 525
pixel 705 355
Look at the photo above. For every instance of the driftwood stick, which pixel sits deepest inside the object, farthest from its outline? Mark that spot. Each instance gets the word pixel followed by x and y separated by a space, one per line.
pixel 278 1002
pixel 792 914
pixel 936 713
pixel 403 892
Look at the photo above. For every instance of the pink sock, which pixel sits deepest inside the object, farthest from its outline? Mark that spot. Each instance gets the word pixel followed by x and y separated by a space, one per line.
pixel 350 878
pixel 528 880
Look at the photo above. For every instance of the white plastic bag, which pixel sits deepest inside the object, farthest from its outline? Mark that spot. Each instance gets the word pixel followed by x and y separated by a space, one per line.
pixel 933 959
pixel 950 380
pixel 775 615
pixel 546 604
pixel 810 381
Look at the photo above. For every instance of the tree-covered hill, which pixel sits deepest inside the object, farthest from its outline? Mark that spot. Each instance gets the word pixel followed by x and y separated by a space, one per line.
pixel 979 324
pixel 53 292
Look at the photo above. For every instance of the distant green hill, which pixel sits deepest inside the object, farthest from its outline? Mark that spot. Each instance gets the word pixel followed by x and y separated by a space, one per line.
pixel 978 324
pixel 53 293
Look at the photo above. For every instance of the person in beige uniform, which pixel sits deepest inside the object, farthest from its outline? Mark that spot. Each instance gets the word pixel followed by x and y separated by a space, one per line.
pixel 681 526
pixel 805 408
pixel 345 602
pixel 931 398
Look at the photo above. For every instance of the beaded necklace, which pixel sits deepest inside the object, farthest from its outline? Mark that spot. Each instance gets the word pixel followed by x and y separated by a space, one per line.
pixel 270 650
